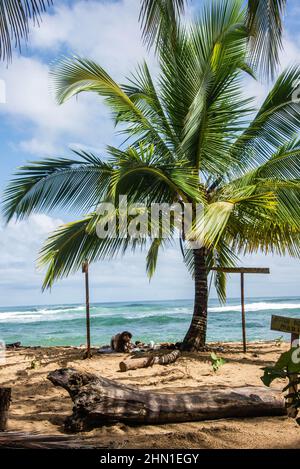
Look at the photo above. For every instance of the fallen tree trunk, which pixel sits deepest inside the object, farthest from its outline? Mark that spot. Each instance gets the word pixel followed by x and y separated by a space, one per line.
pixel 145 362
pixel 5 399
pixel 98 401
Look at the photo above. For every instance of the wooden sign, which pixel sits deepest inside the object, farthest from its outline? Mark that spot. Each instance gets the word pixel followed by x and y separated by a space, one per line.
pixel 242 270
pixel 284 324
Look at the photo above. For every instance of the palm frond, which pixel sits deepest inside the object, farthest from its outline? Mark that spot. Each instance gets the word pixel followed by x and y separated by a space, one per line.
pixel 91 238
pixel 77 184
pixel 152 255
pixel 231 209
pixel 72 76
pixel 200 84
pixel 158 19
pixel 145 176
pixel 275 125
pixel 15 19
pixel 220 257
pixel 71 244
pixel 144 93
pixel 265 25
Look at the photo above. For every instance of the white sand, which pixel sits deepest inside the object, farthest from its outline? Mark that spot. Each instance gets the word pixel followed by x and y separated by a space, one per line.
pixel 38 406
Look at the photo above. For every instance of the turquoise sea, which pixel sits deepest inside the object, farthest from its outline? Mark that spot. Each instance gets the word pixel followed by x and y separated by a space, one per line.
pixel 147 320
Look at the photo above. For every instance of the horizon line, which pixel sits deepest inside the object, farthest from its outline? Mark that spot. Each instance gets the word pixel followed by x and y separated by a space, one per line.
pixel 145 301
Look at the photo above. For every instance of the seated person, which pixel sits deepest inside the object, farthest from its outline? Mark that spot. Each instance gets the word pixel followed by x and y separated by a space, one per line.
pixel 121 342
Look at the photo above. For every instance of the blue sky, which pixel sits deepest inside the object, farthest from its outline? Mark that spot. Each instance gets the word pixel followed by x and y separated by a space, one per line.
pixel 33 126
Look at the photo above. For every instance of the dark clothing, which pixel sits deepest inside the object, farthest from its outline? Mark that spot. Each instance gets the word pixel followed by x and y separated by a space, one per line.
pixel 118 345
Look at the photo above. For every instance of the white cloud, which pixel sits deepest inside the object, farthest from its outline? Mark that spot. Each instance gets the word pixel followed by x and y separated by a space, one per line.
pixel 107 32
pixel 290 54
pixel 37 147
pixel 19 245
pixel 30 106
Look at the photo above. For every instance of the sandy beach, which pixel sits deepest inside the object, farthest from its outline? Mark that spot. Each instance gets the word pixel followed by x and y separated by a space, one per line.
pixel 37 406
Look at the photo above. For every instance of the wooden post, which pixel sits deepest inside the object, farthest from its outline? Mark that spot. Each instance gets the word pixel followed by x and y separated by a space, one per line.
pixel 85 270
pixel 243 312
pixel 5 399
pixel 294 386
pixel 291 326
pixel 242 271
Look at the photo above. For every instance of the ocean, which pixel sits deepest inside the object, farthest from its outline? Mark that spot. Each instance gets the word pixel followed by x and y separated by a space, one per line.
pixel 147 320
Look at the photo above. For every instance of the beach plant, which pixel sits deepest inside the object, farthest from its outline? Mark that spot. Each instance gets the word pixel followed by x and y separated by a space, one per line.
pixel 287 368
pixel 192 136
pixel 34 364
pixel 279 341
pixel 216 362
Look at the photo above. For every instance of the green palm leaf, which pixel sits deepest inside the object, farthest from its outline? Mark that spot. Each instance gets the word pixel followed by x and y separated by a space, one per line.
pixel 57 182
pixel 264 22
pixel 275 125
pixel 77 75
pixel 156 14
pixel 15 19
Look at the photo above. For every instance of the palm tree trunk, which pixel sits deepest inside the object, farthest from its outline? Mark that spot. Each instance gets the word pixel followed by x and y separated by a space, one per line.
pixel 196 336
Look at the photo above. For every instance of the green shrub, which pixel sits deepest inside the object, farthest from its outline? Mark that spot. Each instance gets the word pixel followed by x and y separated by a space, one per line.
pixel 288 368
pixel 216 362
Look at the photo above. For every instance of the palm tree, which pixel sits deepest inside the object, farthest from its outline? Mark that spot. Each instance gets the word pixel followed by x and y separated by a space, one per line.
pixel 15 17
pixel 264 23
pixel 191 137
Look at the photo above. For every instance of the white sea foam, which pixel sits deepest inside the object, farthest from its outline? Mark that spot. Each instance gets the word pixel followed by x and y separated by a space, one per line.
pixel 261 306
pixel 63 313
pixel 42 314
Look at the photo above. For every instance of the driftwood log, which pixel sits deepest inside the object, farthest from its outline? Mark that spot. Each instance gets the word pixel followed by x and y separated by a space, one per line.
pixel 20 440
pixel 145 362
pixel 5 399
pixel 98 401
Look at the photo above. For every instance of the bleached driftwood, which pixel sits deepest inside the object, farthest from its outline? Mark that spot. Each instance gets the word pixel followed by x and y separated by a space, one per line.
pixel 98 401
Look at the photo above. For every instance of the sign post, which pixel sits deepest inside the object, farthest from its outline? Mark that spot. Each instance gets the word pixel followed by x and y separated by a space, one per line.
pixel 284 324
pixel 291 326
pixel 242 271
